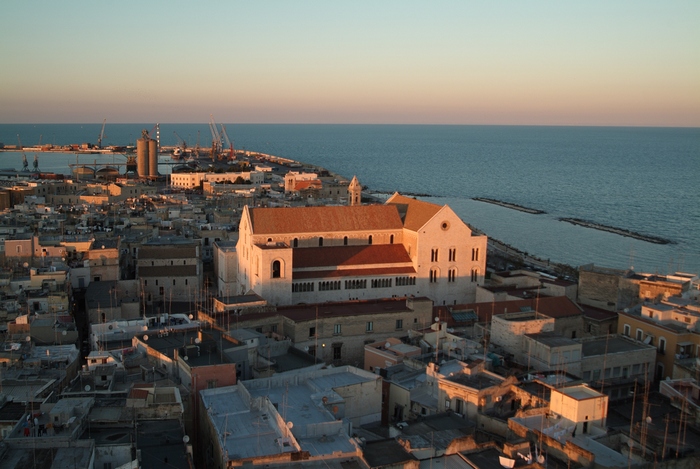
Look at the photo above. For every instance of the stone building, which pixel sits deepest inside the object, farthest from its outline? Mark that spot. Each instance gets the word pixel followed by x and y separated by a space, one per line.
pixel 169 270
pixel 671 326
pixel 336 253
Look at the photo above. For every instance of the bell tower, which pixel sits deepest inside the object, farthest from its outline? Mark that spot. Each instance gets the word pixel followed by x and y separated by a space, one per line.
pixel 354 192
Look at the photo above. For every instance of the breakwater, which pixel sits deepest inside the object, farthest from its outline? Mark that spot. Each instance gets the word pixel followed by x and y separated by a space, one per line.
pixel 618 231
pixel 520 208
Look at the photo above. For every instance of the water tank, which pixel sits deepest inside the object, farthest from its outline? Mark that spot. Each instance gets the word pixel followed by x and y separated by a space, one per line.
pixel 142 157
pixel 152 158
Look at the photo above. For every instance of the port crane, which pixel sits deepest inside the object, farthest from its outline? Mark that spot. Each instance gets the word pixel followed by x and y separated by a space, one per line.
pixel 102 134
pixel 25 164
pixel 180 141
pixel 216 139
pixel 229 143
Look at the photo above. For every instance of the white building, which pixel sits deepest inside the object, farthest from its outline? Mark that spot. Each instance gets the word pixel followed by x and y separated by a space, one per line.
pixel 193 180
pixel 338 253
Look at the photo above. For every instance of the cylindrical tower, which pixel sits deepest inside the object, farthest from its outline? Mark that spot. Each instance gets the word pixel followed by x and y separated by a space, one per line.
pixel 142 156
pixel 152 158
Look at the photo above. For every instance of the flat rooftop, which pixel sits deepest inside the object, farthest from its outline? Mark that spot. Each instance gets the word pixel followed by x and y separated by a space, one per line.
pixel 551 339
pixel 610 345
pixel 580 392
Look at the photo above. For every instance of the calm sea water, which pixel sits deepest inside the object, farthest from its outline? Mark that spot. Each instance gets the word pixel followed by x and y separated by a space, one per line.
pixel 641 179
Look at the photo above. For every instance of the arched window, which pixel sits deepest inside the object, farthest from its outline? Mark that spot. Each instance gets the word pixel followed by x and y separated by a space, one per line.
pixel 320 241
pixel 369 240
pixel 434 275
pixel 345 241
pixel 296 242
pixel 475 275
pixel 276 269
pixel 391 239
pixel 451 275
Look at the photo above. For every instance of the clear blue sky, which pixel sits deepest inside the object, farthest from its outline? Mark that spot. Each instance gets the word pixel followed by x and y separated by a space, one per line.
pixel 437 62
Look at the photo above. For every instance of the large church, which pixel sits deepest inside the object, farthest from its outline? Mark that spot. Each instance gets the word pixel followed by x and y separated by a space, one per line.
pixel 404 247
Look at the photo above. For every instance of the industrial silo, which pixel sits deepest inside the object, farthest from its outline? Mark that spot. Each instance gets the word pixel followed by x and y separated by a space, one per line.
pixel 142 156
pixel 153 158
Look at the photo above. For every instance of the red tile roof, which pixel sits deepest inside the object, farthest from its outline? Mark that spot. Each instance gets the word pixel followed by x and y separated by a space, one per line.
pixel 313 184
pixel 414 213
pixel 368 255
pixel 553 306
pixel 326 219
pixel 138 393
pixel 316 274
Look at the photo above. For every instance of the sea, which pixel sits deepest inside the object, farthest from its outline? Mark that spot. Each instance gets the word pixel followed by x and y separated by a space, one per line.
pixel 641 179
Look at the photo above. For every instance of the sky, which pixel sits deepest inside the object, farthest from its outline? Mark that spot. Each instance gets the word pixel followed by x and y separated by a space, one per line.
pixel 631 63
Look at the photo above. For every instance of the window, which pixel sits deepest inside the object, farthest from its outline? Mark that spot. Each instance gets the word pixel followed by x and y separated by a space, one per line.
pixel 434 255
pixel 399 324
pixel 337 329
pixel 475 275
pixel 433 275
pixel 320 242
pixel 475 254
pixel 312 332
pixel 391 239
pixel 295 243
pixel 276 269
pixel 173 282
pixel 626 330
pixel 662 345
pixel 451 275
pixel 345 241
pixel 369 327
pixel 640 333
pixel 369 240
pixel 452 254
pixel 337 348
pixel 161 290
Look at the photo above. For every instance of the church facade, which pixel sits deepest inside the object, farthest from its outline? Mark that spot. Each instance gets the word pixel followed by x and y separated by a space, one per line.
pixel 404 247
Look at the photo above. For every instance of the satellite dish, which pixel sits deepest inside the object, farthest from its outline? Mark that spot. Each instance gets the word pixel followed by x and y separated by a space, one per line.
pixel 191 317
pixel 186 358
pixel 185 439
pixel 87 387
pixel 197 340
pixel 28 338
pixel 145 337
pixel 648 419
pixel 387 345
pixel 437 319
pixel 26 264
pixel 540 459
pixel 290 424
pixel 64 333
